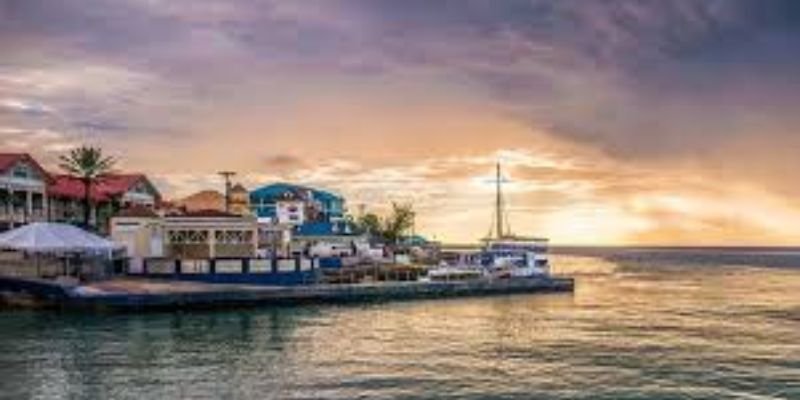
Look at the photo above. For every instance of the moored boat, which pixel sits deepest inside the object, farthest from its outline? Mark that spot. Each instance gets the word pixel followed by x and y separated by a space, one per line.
pixel 503 255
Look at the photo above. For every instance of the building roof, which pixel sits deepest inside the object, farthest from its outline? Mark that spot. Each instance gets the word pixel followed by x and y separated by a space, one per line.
pixel 137 212
pixel 203 200
pixel 208 214
pixel 106 188
pixel 8 160
pixel 238 188
pixel 323 229
pixel 275 191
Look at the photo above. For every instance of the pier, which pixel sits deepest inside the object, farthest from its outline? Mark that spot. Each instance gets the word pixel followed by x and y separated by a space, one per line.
pixel 144 294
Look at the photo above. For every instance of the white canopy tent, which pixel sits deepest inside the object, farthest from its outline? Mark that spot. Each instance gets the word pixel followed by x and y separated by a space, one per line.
pixel 57 239
pixel 48 237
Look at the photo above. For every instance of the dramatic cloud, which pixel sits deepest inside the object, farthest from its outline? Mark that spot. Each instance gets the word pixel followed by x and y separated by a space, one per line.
pixel 618 120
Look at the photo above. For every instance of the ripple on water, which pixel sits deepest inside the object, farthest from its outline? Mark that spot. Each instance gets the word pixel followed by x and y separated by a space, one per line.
pixel 632 330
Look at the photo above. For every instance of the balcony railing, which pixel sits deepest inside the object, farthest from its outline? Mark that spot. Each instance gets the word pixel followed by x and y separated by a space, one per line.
pixel 20 216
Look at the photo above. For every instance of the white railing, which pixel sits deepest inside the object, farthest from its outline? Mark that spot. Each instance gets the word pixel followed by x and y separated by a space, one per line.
pixel 20 216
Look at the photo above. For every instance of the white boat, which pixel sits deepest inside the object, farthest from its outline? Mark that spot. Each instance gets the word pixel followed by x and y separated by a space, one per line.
pixel 453 273
pixel 520 256
pixel 503 255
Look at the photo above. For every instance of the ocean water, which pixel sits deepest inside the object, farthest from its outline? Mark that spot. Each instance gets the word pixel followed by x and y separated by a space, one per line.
pixel 640 325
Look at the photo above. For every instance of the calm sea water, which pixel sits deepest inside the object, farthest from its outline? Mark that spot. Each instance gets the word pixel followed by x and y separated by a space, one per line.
pixel 668 325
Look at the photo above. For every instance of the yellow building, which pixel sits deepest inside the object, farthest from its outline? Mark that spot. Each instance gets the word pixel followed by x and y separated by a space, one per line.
pixel 201 235
pixel 239 200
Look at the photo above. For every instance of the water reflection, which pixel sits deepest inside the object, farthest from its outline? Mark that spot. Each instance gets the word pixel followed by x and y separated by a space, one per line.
pixel 632 329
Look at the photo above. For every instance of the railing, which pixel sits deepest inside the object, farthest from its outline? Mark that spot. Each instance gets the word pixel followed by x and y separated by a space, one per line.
pixel 264 271
pixel 20 216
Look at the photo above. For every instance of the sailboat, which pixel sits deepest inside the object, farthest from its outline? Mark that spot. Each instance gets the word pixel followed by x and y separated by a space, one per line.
pixel 517 255
pixel 503 254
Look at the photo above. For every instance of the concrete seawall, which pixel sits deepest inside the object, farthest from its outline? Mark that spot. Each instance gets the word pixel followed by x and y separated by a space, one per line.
pixel 148 294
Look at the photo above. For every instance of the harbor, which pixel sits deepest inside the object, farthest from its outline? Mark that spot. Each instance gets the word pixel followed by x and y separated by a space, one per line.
pixel 279 244
pixel 400 200
pixel 141 295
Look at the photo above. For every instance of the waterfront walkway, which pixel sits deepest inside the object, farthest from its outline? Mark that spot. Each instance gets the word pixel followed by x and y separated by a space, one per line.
pixel 141 294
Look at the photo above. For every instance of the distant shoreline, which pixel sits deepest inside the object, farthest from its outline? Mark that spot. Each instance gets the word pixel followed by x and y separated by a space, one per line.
pixel 565 249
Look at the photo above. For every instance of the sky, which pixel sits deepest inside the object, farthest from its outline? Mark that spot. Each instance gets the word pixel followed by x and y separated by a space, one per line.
pixel 616 122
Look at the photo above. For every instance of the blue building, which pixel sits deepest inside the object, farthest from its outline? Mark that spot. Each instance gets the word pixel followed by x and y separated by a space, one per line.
pixel 285 203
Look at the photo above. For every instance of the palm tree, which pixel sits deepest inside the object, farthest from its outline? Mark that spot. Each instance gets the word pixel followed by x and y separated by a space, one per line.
pixel 89 165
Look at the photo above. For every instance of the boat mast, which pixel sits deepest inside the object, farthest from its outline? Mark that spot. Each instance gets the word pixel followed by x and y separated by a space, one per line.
pixel 499 204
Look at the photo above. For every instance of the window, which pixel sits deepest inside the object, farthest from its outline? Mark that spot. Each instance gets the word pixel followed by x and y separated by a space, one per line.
pixel 21 171
pixel 140 188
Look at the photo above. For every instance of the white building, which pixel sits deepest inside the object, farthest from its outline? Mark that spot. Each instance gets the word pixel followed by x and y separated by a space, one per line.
pixel 290 212
pixel 23 190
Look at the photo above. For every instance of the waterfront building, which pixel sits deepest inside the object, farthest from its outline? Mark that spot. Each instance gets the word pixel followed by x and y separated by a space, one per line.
pixel 28 193
pixel 295 204
pixel 239 201
pixel 209 235
pixel 202 200
pixel 293 217
pixel 110 194
pixel 198 235
pixel 23 190
pixel 204 246
pixel 141 231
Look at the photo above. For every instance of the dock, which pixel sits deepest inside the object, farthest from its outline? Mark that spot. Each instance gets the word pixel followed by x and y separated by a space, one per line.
pixel 129 294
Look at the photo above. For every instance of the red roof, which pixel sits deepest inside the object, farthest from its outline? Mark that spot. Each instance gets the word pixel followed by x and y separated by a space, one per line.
pixel 209 214
pixel 104 189
pixel 8 160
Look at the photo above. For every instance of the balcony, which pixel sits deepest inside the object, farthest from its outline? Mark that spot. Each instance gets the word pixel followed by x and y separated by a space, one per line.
pixel 19 216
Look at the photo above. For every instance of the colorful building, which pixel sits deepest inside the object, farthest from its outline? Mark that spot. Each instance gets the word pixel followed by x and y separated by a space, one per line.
pixel 296 219
pixel 110 194
pixel 296 205
pixel 28 193
pixel 23 190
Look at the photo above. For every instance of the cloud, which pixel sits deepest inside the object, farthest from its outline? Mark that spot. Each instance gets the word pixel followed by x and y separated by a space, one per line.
pixel 26 107
pixel 283 162
pixel 599 110
pixel 42 141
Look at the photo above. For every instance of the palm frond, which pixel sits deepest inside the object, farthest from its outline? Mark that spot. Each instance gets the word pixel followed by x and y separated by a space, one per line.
pixel 86 162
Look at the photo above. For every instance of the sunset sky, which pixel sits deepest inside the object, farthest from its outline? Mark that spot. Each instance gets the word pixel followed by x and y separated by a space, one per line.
pixel 618 122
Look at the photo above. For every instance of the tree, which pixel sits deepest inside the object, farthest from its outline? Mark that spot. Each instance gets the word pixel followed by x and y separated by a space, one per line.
pixel 89 165
pixel 370 224
pixel 399 222
pixel 391 228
